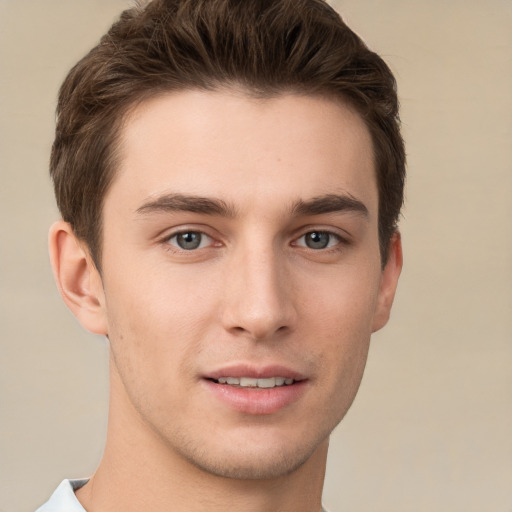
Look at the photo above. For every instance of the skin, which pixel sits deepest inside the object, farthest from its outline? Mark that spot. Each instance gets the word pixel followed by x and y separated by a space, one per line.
pixel 255 292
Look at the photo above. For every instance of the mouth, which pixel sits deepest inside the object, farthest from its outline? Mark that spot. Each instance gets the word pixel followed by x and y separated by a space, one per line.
pixel 251 382
pixel 256 391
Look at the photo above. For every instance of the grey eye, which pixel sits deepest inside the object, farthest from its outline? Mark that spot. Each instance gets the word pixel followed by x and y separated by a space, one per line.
pixel 189 240
pixel 318 240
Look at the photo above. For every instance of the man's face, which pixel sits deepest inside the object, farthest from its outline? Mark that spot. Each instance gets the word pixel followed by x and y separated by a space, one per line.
pixel 240 242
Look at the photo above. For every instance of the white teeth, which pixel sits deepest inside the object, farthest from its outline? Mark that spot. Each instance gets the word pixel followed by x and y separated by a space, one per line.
pixel 267 383
pixel 249 382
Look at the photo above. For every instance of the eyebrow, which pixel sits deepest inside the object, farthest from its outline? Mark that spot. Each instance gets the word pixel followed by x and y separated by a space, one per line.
pixel 330 203
pixel 188 203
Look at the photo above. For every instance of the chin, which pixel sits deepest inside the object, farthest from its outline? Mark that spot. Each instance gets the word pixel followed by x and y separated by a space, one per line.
pixel 254 457
pixel 262 467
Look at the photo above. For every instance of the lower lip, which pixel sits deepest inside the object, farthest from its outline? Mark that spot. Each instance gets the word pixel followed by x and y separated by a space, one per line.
pixel 257 400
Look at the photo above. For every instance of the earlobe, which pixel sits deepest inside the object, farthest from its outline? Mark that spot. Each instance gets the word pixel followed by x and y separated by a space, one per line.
pixel 388 283
pixel 77 278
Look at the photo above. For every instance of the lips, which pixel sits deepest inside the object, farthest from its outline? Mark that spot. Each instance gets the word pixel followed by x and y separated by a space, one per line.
pixel 255 372
pixel 256 390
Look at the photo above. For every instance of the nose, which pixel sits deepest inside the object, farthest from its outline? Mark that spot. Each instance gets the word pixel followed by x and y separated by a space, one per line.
pixel 259 300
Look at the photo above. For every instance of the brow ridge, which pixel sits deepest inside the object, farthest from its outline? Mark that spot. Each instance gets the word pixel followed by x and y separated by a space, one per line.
pixel 330 203
pixel 189 203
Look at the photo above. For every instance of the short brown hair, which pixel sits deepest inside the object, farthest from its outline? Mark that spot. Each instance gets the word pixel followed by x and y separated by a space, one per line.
pixel 267 47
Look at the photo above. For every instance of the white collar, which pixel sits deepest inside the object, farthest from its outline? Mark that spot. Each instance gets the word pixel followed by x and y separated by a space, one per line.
pixel 64 499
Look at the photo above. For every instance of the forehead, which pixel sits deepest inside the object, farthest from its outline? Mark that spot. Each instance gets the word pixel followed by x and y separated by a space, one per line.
pixel 227 144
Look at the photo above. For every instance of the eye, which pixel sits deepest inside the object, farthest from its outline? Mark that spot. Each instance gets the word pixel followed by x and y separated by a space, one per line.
pixel 318 240
pixel 190 240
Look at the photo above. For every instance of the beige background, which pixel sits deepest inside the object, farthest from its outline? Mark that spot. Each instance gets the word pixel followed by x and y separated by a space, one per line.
pixel 431 429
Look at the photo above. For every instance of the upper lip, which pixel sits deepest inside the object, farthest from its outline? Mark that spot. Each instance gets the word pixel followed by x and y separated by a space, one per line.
pixel 255 372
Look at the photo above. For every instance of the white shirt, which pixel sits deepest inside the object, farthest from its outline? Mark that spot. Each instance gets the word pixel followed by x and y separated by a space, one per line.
pixel 64 499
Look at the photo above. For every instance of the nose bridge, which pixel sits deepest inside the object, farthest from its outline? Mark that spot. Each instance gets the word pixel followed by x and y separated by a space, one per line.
pixel 259 300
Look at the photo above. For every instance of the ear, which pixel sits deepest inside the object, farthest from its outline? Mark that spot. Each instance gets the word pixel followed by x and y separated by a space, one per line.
pixel 388 282
pixel 77 278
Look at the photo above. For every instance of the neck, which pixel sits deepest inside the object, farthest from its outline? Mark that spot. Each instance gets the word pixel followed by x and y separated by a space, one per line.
pixel 140 471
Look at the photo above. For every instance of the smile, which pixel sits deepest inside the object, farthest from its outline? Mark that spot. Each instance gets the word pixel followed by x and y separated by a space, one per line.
pixel 250 382
pixel 261 395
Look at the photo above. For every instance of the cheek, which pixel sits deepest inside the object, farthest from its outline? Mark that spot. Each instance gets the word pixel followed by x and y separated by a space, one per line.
pixel 151 321
pixel 156 297
pixel 153 339
pixel 343 321
pixel 346 304
pixel 159 315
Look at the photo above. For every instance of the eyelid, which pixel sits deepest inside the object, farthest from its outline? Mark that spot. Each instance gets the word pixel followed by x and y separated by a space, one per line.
pixel 171 231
